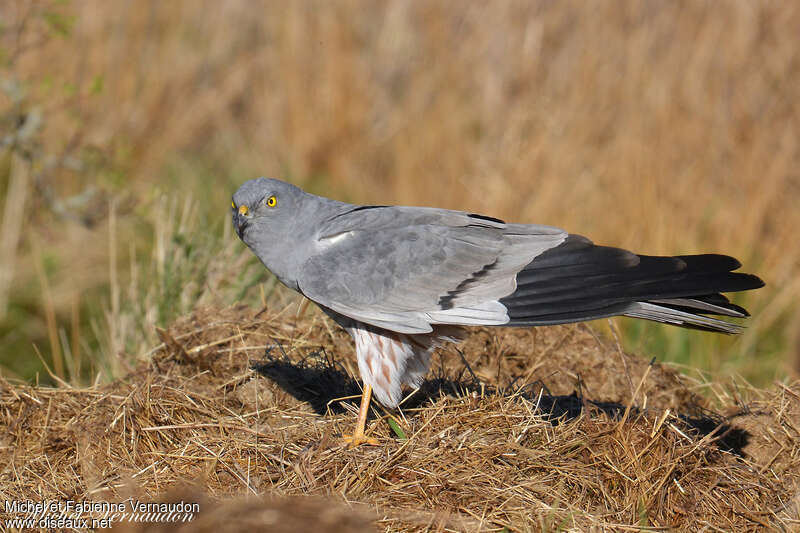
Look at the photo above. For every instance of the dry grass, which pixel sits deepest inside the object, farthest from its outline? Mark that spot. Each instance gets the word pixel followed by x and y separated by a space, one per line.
pixel 669 128
pixel 235 402
pixel 666 128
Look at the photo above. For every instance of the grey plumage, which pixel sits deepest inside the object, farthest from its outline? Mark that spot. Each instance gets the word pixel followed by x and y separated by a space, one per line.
pixel 401 279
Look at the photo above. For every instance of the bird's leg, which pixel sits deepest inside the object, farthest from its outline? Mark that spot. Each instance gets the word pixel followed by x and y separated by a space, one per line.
pixel 358 438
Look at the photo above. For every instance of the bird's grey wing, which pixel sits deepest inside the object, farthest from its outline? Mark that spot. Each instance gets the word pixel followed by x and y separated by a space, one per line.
pixel 405 268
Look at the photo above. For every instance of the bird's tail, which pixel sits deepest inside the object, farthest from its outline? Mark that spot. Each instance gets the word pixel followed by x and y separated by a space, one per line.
pixel 579 281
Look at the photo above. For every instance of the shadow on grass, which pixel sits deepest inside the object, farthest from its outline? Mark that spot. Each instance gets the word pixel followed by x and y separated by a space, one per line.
pixel 320 380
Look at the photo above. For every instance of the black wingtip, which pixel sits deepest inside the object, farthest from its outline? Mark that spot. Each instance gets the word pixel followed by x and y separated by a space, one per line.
pixel 580 281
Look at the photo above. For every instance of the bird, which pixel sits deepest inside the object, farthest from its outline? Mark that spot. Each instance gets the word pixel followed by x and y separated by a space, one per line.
pixel 404 280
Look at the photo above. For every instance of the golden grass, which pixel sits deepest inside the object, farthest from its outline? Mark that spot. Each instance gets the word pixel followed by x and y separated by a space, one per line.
pixel 235 402
pixel 668 128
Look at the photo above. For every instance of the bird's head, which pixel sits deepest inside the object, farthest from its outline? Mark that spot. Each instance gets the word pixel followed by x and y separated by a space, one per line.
pixel 264 207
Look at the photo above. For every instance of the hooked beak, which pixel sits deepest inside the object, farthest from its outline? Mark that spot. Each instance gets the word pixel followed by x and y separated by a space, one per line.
pixel 240 223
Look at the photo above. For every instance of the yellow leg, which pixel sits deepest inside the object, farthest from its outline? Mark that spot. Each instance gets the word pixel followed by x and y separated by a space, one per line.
pixel 359 437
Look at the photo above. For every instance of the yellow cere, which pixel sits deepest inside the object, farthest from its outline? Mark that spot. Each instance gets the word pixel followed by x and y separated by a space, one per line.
pixel 242 209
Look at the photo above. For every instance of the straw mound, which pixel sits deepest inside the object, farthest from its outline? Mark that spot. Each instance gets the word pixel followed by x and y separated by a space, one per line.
pixel 529 431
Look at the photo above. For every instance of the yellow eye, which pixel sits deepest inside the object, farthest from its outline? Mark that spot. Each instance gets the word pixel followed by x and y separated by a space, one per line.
pixel 233 205
pixel 272 201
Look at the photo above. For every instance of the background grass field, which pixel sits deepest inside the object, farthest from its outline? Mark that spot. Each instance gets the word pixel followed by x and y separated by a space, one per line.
pixel 667 128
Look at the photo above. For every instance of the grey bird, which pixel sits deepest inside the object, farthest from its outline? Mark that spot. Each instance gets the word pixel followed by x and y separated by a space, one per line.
pixel 404 280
